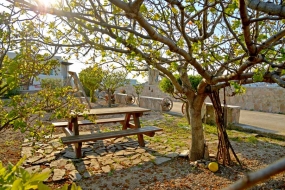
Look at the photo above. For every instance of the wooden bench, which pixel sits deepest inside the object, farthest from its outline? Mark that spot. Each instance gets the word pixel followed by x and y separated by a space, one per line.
pixel 87 122
pixel 78 139
pixel 150 131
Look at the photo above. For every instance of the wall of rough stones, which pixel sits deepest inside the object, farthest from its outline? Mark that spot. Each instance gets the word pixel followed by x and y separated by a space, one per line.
pixel 266 99
pixel 149 90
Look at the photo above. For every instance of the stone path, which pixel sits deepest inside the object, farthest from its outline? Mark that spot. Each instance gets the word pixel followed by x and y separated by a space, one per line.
pixel 99 157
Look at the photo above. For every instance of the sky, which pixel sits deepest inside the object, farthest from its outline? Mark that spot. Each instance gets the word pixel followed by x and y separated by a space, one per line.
pixel 78 66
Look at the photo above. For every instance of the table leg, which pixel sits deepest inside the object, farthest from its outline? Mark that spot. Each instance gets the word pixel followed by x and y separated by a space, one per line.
pixel 76 132
pixel 126 123
pixel 138 125
pixel 70 124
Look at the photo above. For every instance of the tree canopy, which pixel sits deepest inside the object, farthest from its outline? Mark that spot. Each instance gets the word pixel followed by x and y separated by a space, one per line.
pixel 26 112
pixel 225 42
pixel 91 78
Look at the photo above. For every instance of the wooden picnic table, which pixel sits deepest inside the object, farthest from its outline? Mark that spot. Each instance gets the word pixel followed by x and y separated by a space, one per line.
pixel 72 130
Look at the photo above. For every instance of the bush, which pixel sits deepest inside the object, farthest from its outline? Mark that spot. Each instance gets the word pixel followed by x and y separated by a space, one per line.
pixel 166 85
pixel 51 83
pixel 13 92
pixel 15 177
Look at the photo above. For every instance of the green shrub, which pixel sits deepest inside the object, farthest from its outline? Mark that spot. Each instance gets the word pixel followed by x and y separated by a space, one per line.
pixel 166 85
pixel 51 83
pixel 13 92
pixel 15 177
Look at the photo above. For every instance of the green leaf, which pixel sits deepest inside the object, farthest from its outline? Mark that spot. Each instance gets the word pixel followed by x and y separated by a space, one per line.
pixel 17 184
pixel 42 186
pixel 39 176
pixel 174 10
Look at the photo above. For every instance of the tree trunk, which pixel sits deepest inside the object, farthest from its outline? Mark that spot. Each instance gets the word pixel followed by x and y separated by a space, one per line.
pixel 92 97
pixel 109 98
pixel 187 113
pixel 197 147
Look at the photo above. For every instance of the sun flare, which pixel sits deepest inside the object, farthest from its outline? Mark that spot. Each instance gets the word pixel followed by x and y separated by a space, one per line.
pixel 48 3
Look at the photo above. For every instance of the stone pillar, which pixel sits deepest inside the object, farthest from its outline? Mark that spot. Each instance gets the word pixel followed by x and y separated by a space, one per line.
pixel 153 76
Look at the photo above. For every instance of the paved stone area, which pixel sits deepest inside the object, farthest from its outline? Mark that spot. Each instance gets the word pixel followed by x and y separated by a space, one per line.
pixel 99 157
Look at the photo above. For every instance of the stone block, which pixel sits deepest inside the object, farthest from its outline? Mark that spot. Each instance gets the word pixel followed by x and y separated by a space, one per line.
pixel 233 114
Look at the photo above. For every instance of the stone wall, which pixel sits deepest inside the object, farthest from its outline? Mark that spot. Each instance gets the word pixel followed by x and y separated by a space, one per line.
pixel 266 99
pixel 149 90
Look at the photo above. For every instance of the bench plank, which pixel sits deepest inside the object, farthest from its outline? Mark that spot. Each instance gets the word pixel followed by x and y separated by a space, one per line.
pixel 87 122
pixel 106 135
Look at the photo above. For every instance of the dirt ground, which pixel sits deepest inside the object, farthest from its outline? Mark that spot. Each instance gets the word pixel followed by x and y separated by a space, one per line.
pixel 255 152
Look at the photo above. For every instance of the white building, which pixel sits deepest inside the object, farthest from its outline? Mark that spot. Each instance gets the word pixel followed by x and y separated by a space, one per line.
pixel 61 72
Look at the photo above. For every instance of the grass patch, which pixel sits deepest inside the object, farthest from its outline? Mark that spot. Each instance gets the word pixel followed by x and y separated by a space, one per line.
pixel 237 139
pixel 252 139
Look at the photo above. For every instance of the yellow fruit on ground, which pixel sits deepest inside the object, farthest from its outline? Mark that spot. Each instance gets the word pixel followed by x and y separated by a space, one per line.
pixel 213 166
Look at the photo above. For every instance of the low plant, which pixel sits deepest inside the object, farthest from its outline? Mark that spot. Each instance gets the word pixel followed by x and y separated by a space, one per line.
pixel 252 139
pixel 14 177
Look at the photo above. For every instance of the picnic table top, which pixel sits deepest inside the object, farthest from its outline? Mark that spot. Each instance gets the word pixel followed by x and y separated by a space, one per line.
pixel 116 110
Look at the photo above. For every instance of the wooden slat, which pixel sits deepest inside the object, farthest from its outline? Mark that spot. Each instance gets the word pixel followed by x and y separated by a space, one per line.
pixel 87 122
pixel 110 120
pixel 64 123
pixel 114 134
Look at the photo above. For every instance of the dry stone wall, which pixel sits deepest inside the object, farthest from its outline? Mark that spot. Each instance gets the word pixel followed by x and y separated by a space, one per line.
pixel 266 99
pixel 149 90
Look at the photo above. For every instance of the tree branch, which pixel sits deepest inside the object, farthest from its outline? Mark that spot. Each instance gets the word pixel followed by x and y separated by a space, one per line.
pixel 253 178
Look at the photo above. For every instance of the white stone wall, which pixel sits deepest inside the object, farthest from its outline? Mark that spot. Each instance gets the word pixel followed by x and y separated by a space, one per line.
pixel 266 99
pixel 149 90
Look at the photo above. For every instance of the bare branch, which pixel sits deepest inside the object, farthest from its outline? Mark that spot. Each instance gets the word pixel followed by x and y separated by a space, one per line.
pixel 253 178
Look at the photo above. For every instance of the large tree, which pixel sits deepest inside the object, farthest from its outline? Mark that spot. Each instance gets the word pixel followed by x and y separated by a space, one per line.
pixel 224 41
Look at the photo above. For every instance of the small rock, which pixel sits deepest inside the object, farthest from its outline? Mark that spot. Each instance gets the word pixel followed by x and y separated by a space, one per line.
pixel 58 174
pixel 27 151
pixel 136 161
pixel 81 168
pixel 69 154
pixel 106 169
pixel 39 162
pixel 161 160
pixel 118 140
pixel 119 147
pixel 70 167
pixel 48 150
pixel 33 169
pixel 119 153
pixel 172 155
pixel 95 164
pixel 55 143
pixel 87 149
pixel 140 150
pixel 118 166
pixel 107 162
pixel 75 176
pixel 58 163
pixel 135 156
pixel 86 174
pixel 101 152
pixel 184 153
pixel 34 159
